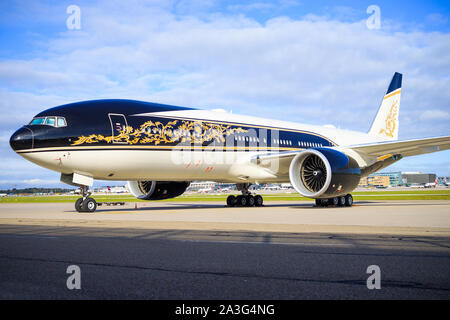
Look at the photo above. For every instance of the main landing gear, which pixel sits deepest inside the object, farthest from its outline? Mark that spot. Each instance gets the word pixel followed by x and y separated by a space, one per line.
pixel 342 201
pixel 246 199
pixel 85 204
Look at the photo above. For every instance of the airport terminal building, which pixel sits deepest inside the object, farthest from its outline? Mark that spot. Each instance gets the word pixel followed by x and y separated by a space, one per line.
pixel 375 180
pixel 395 179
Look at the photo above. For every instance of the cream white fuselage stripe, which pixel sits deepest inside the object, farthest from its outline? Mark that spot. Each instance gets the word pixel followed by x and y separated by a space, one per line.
pixel 161 165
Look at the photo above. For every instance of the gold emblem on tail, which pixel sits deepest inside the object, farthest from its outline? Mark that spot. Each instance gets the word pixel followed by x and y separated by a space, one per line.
pixel 391 120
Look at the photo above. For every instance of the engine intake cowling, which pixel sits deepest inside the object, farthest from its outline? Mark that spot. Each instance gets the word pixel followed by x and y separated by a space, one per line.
pixel 324 173
pixel 157 190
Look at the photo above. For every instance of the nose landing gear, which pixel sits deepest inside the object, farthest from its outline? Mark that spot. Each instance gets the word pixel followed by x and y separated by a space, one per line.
pixel 86 203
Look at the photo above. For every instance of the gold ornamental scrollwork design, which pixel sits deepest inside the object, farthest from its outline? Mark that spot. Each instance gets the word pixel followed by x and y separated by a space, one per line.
pixel 156 132
pixel 391 120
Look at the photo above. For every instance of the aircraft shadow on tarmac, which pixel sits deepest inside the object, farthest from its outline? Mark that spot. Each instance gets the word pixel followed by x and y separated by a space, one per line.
pixel 183 206
pixel 155 264
pixel 205 206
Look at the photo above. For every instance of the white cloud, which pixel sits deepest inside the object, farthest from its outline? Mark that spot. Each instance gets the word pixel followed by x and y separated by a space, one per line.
pixel 252 6
pixel 314 70
pixel 40 181
pixel 436 19
pixel 18 108
pixel 309 68
pixel 435 115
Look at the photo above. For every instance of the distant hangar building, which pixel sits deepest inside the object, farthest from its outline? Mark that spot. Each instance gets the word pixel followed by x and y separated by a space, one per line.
pixel 418 177
pixel 394 179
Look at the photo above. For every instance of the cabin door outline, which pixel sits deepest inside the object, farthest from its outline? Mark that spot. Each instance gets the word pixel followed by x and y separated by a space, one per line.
pixel 118 123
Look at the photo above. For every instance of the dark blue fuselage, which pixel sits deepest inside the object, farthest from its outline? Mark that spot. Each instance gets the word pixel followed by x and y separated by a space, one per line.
pixel 120 123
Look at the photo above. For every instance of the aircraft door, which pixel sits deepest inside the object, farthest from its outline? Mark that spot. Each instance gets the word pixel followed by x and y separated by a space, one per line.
pixel 118 125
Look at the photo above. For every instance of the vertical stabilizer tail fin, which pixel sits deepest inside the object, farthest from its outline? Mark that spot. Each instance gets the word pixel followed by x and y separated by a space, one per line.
pixel 385 125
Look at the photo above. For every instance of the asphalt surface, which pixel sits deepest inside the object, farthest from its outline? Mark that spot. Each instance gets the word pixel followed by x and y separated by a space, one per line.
pixel 287 216
pixel 124 263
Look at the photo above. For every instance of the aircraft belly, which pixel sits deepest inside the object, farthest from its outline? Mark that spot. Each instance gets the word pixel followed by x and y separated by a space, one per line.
pixel 154 165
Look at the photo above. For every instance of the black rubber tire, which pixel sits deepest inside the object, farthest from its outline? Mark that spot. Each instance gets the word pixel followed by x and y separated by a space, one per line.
pixel 349 200
pixel 241 201
pixel 250 201
pixel 78 205
pixel 335 201
pixel 231 201
pixel 259 201
pixel 89 205
pixel 342 201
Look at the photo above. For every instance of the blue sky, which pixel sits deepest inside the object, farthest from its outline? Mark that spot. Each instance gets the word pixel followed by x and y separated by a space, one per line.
pixel 305 61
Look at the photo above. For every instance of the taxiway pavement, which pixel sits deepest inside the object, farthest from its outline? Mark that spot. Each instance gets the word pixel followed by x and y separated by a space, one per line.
pixel 174 250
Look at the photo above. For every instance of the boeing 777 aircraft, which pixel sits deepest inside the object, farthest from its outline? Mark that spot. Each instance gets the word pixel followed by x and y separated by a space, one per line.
pixel 159 149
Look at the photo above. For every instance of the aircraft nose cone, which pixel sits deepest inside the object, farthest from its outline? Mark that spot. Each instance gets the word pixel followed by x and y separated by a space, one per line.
pixel 22 139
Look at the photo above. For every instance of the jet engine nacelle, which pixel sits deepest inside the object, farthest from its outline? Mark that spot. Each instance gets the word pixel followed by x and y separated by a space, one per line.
pixel 324 173
pixel 156 190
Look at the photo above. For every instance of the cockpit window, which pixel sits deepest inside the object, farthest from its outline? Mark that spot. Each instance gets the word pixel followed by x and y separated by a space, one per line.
pixel 38 121
pixel 61 122
pixel 49 121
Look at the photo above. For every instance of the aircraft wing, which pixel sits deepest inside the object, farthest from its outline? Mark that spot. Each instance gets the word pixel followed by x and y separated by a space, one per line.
pixel 406 148
pixel 382 153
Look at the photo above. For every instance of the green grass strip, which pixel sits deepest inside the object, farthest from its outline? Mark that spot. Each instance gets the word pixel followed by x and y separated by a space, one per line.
pixel 375 195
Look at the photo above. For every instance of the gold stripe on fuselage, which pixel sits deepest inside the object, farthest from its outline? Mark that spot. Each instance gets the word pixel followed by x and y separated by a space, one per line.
pixel 118 147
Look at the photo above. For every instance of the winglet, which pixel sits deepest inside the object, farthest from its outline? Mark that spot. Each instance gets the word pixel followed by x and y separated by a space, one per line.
pixel 385 125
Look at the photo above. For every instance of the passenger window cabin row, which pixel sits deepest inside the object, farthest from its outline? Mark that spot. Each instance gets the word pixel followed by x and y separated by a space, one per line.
pixel 280 142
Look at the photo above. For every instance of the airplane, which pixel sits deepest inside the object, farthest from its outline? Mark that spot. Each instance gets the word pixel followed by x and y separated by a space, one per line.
pixel 205 190
pixel 159 149
pixel 272 188
pixel 447 184
pixel 431 184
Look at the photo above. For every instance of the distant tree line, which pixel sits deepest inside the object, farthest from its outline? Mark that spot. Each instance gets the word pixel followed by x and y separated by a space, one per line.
pixel 35 190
